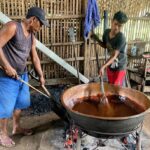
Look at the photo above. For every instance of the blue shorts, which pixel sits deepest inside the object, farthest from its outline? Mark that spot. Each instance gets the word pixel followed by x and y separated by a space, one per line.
pixel 13 94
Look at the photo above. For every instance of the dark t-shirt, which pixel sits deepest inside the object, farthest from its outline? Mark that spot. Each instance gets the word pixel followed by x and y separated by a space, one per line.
pixel 116 43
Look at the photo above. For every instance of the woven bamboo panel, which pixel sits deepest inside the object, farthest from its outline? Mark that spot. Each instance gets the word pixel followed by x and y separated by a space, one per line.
pixel 63 14
pixel 58 31
pixel 133 8
pixel 62 7
pixel 137 28
pixel 16 8
pixel 67 53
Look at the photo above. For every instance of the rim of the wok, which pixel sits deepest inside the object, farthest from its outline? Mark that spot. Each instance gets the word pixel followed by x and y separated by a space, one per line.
pixel 104 118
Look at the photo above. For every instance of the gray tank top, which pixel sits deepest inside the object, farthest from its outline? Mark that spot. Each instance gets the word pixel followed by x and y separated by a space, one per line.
pixel 17 50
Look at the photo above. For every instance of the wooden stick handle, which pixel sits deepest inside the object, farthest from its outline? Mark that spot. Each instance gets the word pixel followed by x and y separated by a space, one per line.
pixel 33 87
pixel 46 91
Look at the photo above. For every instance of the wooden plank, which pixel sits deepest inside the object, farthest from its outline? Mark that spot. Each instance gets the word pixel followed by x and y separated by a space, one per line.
pixel 55 81
pixel 148 78
pixel 86 59
pixel 133 77
pixel 132 42
pixel 3 18
pixel 51 54
pixel 146 89
pixel 67 8
pixel 127 80
pixel 52 17
pixel 77 5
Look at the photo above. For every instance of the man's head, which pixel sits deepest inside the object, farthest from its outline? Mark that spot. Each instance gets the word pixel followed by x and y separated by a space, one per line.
pixel 119 19
pixel 36 16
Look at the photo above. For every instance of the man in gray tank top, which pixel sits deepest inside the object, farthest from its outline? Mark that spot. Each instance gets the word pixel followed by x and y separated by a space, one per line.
pixel 17 42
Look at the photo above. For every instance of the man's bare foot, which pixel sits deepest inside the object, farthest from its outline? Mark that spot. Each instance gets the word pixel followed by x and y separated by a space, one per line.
pixel 6 141
pixel 22 131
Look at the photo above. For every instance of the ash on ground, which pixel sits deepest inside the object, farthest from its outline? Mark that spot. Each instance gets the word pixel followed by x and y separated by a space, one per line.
pixel 41 104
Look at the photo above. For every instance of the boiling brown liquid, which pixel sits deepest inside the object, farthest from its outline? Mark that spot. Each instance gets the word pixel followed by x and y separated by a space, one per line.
pixel 114 108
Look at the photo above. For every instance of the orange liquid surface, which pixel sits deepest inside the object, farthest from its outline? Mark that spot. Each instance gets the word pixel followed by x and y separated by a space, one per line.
pixel 113 108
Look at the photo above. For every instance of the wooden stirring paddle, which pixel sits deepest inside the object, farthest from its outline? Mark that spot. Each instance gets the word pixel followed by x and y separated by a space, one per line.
pixel 103 99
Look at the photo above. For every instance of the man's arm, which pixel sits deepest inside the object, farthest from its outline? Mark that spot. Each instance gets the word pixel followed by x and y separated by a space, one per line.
pixel 6 33
pixel 95 37
pixel 36 61
pixel 110 61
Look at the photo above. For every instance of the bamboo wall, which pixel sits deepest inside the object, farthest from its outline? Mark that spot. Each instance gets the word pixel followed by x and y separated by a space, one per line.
pixel 133 8
pixel 62 14
pixel 136 30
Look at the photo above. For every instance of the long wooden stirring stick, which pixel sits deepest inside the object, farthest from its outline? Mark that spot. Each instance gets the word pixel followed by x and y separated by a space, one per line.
pixel 44 88
pixel 103 98
pixel 48 95
pixel 46 91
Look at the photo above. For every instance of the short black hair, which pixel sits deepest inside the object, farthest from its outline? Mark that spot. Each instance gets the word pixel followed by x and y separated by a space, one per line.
pixel 121 17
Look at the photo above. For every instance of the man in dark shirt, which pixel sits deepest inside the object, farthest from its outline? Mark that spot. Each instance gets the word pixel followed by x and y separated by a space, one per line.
pixel 115 42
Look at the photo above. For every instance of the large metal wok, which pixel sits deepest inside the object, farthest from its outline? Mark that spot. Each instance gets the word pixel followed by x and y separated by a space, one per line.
pixel 104 125
pixel 94 125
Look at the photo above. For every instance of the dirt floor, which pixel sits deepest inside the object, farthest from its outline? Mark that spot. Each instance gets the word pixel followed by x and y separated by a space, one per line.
pixel 48 135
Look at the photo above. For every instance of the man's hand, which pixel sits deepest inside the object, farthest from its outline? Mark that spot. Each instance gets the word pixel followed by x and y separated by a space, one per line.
pixel 101 71
pixel 11 72
pixel 42 80
pixel 96 38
